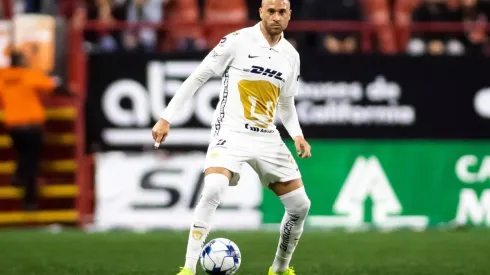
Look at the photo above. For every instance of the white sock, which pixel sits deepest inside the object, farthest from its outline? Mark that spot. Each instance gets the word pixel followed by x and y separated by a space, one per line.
pixel 297 206
pixel 214 186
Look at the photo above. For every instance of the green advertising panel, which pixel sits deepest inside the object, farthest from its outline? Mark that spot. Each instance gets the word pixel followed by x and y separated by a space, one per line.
pixel 393 184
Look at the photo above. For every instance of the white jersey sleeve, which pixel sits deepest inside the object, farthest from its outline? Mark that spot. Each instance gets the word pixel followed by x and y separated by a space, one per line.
pixel 289 117
pixel 292 84
pixel 286 109
pixel 202 74
pixel 220 58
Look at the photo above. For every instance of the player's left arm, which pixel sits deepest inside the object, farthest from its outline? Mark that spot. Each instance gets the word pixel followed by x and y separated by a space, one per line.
pixel 288 115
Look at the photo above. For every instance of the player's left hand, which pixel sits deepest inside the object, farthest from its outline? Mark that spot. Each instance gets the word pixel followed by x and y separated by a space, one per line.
pixel 302 147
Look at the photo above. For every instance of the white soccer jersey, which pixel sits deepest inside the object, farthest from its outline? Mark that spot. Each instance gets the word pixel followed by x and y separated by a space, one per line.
pixel 255 75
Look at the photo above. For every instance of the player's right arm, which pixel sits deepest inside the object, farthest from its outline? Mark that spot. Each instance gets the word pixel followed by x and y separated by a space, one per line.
pixel 216 62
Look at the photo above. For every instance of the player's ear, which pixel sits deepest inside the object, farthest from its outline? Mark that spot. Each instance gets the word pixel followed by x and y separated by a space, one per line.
pixel 260 13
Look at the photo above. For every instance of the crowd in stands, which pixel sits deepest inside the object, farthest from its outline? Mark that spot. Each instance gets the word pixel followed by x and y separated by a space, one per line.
pixel 391 22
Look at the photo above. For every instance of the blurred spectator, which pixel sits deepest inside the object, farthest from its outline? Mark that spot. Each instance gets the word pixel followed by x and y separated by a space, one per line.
pixel 233 14
pixel 346 10
pixel 184 38
pixel 345 44
pixel 149 11
pixel 437 43
pixel 78 15
pixel 343 10
pixel 27 6
pixel 475 18
pixel 68 8
pixel 473 40
pixel 20 89
pixel 6 8
pixel 36 6
pixel 392 19
pixel 105 13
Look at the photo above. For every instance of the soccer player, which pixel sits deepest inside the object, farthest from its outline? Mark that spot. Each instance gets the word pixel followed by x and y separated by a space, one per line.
pixel 260 71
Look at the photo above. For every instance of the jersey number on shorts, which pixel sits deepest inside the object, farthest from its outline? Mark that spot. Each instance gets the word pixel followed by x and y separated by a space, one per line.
pixel 221 142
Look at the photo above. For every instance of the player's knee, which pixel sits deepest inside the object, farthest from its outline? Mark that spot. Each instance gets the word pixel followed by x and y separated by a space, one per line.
pixel 297 202
pixel 214 187
pixel 304 207
pixel 300 210
pixel 211 195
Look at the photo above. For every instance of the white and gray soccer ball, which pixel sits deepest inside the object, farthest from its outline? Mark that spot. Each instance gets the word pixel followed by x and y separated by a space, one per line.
pixel 220 257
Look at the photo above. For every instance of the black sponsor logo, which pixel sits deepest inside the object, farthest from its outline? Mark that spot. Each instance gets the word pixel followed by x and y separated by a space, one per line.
pixel 286 234
pixel 221 142
pixel 267 72
pixel 259 130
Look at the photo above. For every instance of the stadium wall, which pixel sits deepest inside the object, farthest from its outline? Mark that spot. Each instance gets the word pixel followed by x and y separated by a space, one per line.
pixel 398 142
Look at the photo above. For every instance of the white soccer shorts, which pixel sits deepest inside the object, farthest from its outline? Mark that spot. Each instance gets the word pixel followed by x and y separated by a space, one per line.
pixel 268 156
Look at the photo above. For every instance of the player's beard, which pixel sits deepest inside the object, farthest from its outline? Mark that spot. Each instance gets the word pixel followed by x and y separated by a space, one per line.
pixel 274 29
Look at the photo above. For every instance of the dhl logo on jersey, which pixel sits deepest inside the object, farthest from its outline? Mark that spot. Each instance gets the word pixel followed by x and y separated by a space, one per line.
pixel 267 72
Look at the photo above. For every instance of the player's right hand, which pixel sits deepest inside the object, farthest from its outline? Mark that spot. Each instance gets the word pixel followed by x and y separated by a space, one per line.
pixel 303 148
pixel 160 132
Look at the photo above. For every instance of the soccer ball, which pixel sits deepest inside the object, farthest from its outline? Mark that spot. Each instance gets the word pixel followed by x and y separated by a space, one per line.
pixel 220 257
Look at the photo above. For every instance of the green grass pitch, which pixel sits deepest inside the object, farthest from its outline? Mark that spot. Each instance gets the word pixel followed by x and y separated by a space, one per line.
pixel 318 253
